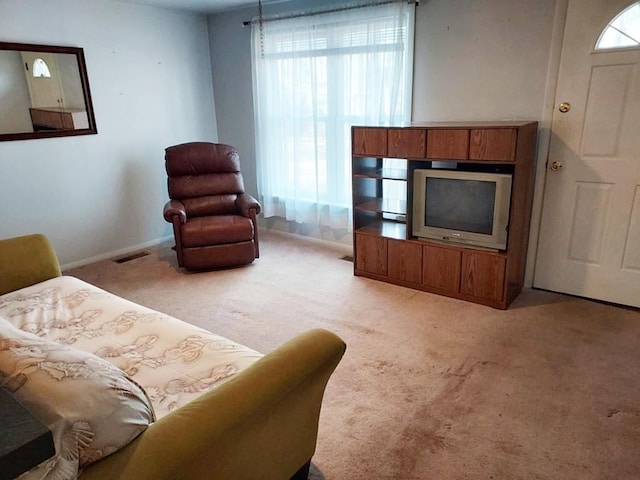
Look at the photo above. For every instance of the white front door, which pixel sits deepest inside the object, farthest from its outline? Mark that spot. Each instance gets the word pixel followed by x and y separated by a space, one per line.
pixel 45 90
pixel 590 232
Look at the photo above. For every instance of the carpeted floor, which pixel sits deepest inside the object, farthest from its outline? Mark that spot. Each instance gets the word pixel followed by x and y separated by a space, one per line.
pixel 430 387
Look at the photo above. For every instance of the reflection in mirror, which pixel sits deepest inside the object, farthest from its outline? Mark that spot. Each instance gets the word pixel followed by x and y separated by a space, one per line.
pixel 40 68
pixel 44 92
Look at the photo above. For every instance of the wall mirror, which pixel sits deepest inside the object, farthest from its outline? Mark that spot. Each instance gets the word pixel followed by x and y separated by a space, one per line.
pixel 44 92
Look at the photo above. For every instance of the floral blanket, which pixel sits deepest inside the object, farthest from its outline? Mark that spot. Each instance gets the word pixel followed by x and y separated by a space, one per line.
pixel 173 361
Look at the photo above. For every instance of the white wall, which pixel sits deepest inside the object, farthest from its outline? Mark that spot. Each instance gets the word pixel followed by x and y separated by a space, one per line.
pixel 474 60
pixel 150 80
pixel 481 60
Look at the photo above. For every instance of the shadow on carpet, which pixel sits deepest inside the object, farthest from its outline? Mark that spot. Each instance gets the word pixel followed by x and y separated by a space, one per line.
pixel 315 473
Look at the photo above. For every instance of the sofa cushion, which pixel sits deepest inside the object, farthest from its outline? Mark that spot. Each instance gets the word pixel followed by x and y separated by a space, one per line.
pixel 91 407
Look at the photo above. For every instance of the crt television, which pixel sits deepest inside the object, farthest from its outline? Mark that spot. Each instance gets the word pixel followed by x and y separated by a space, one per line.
pixel 470 208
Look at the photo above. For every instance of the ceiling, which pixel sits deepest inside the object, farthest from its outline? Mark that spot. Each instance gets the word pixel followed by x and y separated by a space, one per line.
pixel 203 6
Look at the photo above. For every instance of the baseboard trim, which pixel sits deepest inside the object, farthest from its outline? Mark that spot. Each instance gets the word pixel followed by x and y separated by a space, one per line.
pixel 302 230
pixel 346 247
pixel 116 253
pixel 134 248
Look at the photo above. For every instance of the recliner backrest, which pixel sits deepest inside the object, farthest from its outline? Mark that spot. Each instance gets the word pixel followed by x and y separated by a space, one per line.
pixel 205 177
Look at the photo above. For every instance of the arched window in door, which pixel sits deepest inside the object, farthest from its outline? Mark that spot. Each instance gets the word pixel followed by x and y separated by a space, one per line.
pixel 623 31
pixel 40 68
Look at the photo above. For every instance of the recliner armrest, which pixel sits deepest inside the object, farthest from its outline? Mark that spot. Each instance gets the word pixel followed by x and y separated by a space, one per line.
pixel 246 202
pixel 173 208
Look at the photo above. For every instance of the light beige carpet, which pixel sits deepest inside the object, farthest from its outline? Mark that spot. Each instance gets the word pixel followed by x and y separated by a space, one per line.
pixel 430 387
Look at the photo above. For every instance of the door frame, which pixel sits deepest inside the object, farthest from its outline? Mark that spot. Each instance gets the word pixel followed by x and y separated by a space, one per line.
pixel 544 136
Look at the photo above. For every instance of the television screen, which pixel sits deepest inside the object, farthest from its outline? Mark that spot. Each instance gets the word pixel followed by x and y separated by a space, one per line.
pixel 455 204
pixel 464 207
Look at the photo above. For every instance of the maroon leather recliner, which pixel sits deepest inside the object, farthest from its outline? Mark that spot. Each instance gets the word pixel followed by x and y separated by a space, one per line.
pixel 214 220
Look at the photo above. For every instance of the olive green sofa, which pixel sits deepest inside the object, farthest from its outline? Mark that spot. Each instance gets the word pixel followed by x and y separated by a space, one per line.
pixel 259 423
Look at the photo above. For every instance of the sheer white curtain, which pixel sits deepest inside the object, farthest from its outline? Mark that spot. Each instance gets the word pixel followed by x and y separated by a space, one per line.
pixel 315 76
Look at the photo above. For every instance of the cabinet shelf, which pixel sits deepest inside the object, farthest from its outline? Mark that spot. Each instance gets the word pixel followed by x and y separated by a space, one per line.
pixel 381 173
pixel 382 205
pixel 387 229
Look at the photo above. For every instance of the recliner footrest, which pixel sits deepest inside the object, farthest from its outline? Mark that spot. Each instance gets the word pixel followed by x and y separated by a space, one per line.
pixel 218 256
pixel 218 230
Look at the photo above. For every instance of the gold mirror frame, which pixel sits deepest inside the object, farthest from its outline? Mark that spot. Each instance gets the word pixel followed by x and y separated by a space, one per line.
pixel 49 121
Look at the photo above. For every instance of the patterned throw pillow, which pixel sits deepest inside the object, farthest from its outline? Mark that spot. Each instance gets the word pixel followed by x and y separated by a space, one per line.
pixel 92 407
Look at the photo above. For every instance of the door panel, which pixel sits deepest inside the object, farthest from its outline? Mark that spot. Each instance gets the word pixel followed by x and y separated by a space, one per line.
pixel 482 275
pixel 632 248
pixel 608 88
pixel 441 268
pixel 589 221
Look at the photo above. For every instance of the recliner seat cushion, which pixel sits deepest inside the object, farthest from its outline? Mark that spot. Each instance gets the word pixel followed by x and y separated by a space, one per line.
pixel 218 230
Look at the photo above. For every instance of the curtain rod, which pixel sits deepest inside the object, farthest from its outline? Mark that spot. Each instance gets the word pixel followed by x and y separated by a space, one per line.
pixel 331 10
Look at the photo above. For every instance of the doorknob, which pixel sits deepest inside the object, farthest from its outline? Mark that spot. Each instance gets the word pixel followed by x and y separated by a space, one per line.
pixel 555 166
pixel 564 107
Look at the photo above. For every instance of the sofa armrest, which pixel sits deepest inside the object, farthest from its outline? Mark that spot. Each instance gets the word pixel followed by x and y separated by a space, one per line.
pixel 173 208
pixel 246 202
pixel 261 423
pixel 25 261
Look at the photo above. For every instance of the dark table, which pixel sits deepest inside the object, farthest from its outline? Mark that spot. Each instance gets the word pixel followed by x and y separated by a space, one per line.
pixel 24 441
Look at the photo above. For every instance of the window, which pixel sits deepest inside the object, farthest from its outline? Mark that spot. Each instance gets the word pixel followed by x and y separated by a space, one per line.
pixel 623 31
pixel 40 68
pixel 314 77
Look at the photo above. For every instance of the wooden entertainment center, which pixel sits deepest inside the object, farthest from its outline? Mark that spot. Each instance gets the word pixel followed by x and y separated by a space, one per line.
pixel 384 247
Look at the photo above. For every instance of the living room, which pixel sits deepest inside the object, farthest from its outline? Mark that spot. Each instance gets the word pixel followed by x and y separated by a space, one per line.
pixel 161 77
pixel 148 94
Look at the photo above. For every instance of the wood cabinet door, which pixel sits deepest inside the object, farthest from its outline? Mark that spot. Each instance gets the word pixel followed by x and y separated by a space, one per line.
pixel 441 268
pixel 483 275
pixel 369 141
pixel 406 142
pixel 405 261
pixel 448 144
pixel 371 254
pixel 497 144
